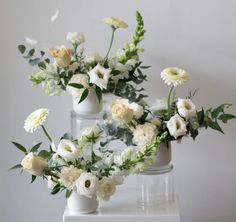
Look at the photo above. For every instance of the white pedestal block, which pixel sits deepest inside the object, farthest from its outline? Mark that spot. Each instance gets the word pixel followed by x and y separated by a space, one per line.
pixel 125 205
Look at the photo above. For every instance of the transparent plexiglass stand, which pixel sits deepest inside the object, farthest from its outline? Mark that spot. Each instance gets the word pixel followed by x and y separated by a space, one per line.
pixel 147 197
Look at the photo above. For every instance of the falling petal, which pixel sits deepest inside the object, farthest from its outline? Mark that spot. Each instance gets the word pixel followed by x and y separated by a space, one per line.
pixel 55 16
pixel 31 41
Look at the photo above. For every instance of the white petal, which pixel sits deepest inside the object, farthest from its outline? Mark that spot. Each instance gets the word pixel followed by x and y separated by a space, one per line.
pixel 55 16
pixel 31 41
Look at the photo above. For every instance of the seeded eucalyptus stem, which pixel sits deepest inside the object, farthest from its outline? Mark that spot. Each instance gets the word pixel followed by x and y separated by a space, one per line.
pixel 168 101
pixel 111 42
pixel 46 133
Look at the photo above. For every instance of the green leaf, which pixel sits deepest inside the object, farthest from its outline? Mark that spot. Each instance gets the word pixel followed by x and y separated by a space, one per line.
pixel 200 116
pixel 20 147
pixel 98 93
pixel 84 95
pixel 76 85
pixel 226 117
pixel 42 53
pixel 45 154
pixel 42 65
pixel 214 125
pixel 35 148
pixel 34 62
pixel 17 166
pixel 68 193
pixel 33 178
pixel 56 189
pixel 219 109
pixel 21 49
pixel 31 52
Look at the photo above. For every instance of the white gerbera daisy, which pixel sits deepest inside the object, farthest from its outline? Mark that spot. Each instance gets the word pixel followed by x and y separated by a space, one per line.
pixel 115 22
pixel 174 76
pixel 36 119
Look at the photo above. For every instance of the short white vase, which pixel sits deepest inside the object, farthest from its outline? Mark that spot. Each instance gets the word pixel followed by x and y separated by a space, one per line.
pixel 81 204
pixel 89 106
pixel 161 161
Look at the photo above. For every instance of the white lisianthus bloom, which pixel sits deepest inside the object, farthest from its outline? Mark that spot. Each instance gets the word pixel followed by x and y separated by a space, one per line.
pixel 106 189
pixel 158 105
pixel 115 22
pixel 99 76
pixel 137 109
pixel 58 159
pixel 90 135
pixel 131 62
pixel 36 119
pixel 117 158
pixel 144 134
pixel 61 55
pixel 121 111
pixel 69 175
pixel 75 38
pixel 123 70
pixel 87 184
pixel 81 79
pixel 34 164
pixel 186 108
pixel 67 150
pixel 174 76
pixel 92 57
pixel 176 126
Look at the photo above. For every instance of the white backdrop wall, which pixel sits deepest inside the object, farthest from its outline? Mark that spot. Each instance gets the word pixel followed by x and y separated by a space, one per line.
pixel 196 35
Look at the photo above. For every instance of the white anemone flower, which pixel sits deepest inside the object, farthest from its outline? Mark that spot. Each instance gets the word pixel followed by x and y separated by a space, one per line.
pixel 99 76
pixel 186 108
pixel 115 22
pixel 67 150
pixel 36 119
pixel 174 76
pixel 87 184
pixel 176 126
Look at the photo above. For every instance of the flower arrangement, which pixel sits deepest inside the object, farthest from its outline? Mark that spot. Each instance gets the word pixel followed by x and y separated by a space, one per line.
pixel 138 124
pixel 82 73
pixel 81 163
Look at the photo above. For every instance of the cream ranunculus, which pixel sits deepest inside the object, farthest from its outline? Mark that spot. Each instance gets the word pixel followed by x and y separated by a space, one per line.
pixel 81 79
pixel 36 119
pixel 121 111
pixel 34 164
pixel 92 57
pixel 144 134
pixel 76 38
pixel 61 55
pixel 115 22
pixel 176 126
pixel 68 176
pixel 99 76
pixel 106 189
pixel 186 108
pixel 174 76
pixel 67 150
pixel 87 184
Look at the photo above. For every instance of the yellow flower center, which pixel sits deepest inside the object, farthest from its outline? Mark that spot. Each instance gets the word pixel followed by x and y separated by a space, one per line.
pixel 87 183
pixel 68 148
pixel 100 75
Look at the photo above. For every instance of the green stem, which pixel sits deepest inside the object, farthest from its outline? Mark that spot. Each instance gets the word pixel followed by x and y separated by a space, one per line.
pixel 46 133
pixel 111 42
pixel 168 101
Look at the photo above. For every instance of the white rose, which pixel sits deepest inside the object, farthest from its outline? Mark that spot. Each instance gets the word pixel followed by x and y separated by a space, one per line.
pixel 99 76
pixel 87 184
pixel 176 126
pixel 92 57
pixel 67 150
pixel 81 79
pixel 137 109
pixel 68 176
pixel 186 108
pixel 36 119
pixel 144 134
pixel 75 38
pixel 34 164
pixel 121 111
pixel 61 55
pixel 106 189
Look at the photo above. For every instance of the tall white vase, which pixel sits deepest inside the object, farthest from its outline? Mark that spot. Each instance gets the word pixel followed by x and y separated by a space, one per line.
pixel 89 106
pixel 161 161
pixel 81 204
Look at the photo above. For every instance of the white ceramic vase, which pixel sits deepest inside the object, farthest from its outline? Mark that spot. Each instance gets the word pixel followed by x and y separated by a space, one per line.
pixel 89 106
pixel 161 161
pixel 81 204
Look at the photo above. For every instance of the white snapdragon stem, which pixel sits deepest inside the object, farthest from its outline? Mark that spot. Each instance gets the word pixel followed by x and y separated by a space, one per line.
pixel 46 133
pixel 111 42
